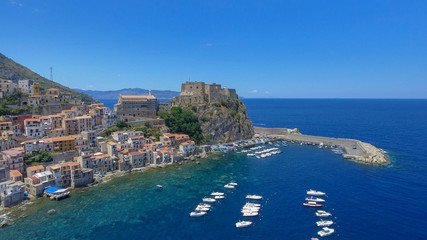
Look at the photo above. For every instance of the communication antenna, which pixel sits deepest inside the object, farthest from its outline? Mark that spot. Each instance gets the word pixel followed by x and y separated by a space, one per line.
pixel 51 73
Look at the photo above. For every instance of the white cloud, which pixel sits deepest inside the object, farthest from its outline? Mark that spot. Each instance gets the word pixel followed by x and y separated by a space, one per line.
pixel 253 91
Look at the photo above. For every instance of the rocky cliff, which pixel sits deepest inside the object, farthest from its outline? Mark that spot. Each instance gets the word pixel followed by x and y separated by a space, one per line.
pixel 224 121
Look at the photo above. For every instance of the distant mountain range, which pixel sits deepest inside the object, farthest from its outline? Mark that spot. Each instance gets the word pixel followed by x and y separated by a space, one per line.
pixel 14 71
pixel 114 94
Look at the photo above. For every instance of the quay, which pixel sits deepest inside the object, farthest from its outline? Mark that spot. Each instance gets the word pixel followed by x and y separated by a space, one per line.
pixel 354 149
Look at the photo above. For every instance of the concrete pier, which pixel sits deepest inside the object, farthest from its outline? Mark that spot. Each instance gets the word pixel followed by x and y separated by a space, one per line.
pixel 354 149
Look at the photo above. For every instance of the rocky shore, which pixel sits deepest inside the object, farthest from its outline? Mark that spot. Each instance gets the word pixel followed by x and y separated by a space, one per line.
pixel 354 149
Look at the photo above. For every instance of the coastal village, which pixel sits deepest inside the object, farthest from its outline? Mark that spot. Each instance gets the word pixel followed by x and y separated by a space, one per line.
pixel 43 155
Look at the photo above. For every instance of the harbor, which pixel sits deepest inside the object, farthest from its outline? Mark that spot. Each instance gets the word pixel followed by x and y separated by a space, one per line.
pixel 353 149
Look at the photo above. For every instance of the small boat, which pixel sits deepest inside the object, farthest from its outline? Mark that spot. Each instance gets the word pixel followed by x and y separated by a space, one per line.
pixel 315 193
pixel 208 200
pixel 204 205
pixel 249 204
pixel 258 157
pixel 324 223
pixel 233 183
pixel 325 231
pixel 159 186
pixel 321 213
pixel 202 209
pixel 250 214
pixel 254 197
pixel 219 197
pixel 229 186
pixel 240 224
pixel 314 199
pixel 217 194
pixel 312 204
pixel 197 214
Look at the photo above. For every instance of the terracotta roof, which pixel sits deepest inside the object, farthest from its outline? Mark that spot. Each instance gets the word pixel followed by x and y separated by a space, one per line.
pixel 35 168
pixel 32 120
pixel 68 111
pixel 53 89
pixel 5 123
pixel 34 178
pixel 14 151
pixel 15 173
pixel 69 164
pixel 135 153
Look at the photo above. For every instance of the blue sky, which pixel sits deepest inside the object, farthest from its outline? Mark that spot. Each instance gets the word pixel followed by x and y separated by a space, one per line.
pixel 287 49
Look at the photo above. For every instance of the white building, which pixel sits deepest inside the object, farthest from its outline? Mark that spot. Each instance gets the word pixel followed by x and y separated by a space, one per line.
pixel 6 87
pixel 187 148
pixel 33 128
pixel 26 86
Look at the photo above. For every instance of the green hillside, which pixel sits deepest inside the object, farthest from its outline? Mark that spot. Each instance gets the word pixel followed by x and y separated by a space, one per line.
pixel 11 70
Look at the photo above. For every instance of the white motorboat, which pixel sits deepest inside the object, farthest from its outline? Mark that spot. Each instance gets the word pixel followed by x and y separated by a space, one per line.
pixel 217 194
pixel 219 197
pixel 202 209
pixel 315 193
pixel 159 186
pixel 204 205
pixel 249 204
pixel 312 204
pixel 258 157
pixel 229 186
pixel 197 214
pixel 325 231
pixel 321 213
pixel 240 224
pixel 254 197
pixel 324 223
pixel 210 200
pixel 314 199
pixel 232 184
pixel 250 214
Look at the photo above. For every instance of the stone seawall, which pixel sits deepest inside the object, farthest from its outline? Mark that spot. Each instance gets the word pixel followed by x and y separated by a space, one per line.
pixel 354 149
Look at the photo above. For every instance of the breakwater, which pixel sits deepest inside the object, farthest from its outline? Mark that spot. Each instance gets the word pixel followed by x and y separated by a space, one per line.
pixel 354 149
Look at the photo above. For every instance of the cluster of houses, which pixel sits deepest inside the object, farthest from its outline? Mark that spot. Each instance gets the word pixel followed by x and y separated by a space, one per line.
pixel 79 156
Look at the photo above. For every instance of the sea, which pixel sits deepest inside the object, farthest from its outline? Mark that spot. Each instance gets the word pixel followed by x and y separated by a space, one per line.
pixel 366 202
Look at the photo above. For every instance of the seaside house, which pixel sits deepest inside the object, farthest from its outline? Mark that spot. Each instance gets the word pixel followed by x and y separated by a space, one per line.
pixel 37 183
pixel 187 148
pixel 34 169
pixel 15 175
pixel 14 158
pixel 11 193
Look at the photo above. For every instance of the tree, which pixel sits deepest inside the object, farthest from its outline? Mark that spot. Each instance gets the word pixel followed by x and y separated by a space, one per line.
pixel 183 121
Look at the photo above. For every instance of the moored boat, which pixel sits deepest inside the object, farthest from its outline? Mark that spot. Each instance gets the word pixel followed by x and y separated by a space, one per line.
pixel 229 186
pixel 197 214
pixel 250 214
pixel 321 213
pixel 210 200
pixel 217 194
pixel 314 199
pixel 254 197
pixel 315 193
pixel 219 197
pixel 312 204
pixel 325 231
pixel 324 223
pixel 240 224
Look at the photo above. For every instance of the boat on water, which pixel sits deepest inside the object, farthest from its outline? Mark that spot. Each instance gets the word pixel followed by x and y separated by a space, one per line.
pixel 202 209
pixel 314 199
pixel 312 204
pixel 321 213
pixel 315 193
pixel 159 186
pixel 325 232
pixel 240 224
pixel 233 183
pixel 253 197
pixel 219 197
pixel 249 204
pixel 197 214
pixel 204 205
pixel 229 186
pixel 250 214
pixel 210 200
pixel 217 194
pixel 324 223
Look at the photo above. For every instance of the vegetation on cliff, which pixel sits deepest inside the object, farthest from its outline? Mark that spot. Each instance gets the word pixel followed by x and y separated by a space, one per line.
pixel 13 99
pixel 181 120
pixel 147 129
pixel 12 70
pixel 39 156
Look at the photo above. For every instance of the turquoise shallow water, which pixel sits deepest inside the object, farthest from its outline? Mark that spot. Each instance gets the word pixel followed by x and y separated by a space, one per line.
pixel 368 202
